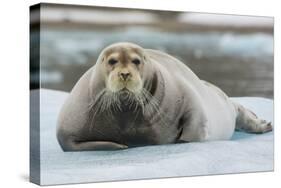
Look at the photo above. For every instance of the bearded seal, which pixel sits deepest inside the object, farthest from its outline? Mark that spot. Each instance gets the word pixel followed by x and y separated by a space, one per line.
pixel 135 97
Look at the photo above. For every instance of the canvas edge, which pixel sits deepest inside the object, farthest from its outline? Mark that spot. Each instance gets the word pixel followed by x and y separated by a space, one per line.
pixel 34 62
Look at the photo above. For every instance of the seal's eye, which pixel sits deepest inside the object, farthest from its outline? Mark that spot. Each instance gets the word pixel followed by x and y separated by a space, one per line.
pixel 112 61
pixel 136 61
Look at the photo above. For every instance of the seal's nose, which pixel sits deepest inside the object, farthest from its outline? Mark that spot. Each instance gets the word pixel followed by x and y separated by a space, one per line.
pixel 125 75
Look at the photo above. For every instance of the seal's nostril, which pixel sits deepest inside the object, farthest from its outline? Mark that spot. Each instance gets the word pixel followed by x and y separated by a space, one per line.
pixel 125 75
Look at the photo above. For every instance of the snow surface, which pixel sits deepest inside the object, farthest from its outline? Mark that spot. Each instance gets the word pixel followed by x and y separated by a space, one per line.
pixel 244 153
pixel 227 20
pixel 58 14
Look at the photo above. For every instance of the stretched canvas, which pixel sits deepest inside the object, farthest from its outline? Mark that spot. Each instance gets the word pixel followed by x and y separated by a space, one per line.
pixel 127 94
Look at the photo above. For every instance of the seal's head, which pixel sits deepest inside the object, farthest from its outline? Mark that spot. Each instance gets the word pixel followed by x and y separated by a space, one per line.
pixel 123 65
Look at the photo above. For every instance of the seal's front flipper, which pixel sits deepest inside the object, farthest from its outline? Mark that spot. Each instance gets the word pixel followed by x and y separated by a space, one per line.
pixel 94 146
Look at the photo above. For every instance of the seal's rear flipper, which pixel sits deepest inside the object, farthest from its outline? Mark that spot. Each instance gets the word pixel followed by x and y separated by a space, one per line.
pixel 247 121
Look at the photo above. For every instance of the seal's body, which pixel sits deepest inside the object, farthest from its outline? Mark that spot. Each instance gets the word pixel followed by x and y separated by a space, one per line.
pixel 135 97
